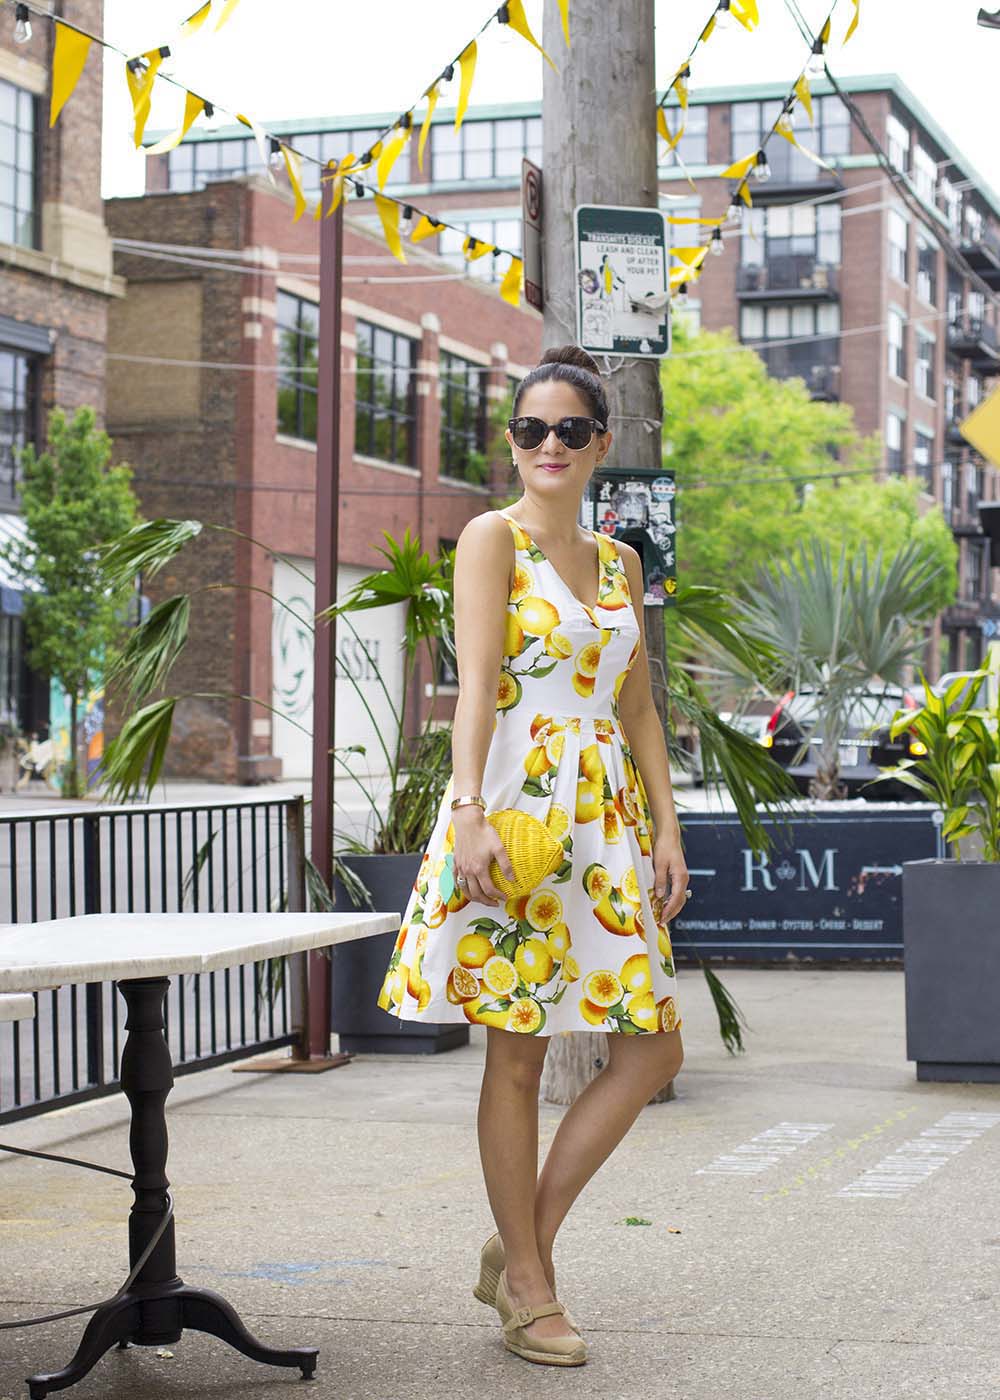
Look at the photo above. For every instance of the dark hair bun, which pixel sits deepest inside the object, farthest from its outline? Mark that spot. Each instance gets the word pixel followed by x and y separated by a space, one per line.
pixel 570 355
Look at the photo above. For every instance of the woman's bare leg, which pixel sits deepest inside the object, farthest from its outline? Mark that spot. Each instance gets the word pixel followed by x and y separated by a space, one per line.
pixel 508 1147
pixel 595 1123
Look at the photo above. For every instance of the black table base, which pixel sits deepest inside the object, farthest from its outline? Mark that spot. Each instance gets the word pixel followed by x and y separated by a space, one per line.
pixel 158 1306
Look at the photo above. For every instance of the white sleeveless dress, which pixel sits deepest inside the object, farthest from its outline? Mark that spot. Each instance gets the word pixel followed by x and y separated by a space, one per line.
pixel 584 950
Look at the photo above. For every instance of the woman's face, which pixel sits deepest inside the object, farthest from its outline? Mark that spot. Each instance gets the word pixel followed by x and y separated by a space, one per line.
pixel 552 468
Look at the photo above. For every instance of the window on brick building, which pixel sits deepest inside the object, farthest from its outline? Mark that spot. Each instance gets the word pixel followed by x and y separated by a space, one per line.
pixel 923 457
pixel 898 141
pixel 693 145
pixel 926 268
pixel 894 442
pixel 385 418
pixel 899 243
pixel 500 232
pixel 463 418
pixel 298 366
pixel 807 232
pixel 751 121
pixel 923 365
pixel 973 224
pixel 484 150
pixel 896 330
pixel 18 212
pixel 18 381
pixel 924 174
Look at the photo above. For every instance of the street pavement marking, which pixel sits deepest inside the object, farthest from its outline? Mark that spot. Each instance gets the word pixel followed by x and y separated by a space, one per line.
pixel 764 1150
pixel 919 1157
pixel 843 1149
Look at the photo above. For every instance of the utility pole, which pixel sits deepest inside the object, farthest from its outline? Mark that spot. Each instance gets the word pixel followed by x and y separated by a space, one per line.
pixel 599 147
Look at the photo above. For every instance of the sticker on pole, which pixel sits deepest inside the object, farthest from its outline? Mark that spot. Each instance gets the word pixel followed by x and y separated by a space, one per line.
pixel 622 288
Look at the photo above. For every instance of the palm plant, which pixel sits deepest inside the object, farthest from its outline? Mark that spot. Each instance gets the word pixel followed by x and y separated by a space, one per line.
pixel 835 627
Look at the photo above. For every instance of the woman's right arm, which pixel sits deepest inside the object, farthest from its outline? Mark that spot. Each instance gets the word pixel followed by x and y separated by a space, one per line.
pixel 484 560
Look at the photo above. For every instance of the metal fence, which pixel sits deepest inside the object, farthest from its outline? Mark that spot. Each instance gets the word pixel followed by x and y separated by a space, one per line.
pixel 235 856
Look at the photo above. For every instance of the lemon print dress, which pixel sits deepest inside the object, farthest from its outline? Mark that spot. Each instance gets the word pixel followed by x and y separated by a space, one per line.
pixel 585 949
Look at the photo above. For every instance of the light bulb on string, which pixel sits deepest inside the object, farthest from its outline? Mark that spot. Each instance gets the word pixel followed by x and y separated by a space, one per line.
pixel 406 218
pixel 275 159
pixel 681 296
pixel 716 248
pixel 22 24
pixel 359 190
pixel 213 118
pixel 723 17
pixel 816 67
pixel 761 169
pixel 786 122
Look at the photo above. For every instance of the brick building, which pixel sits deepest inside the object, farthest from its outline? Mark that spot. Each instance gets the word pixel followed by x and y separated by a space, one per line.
pixel 885 303
pixel 56 285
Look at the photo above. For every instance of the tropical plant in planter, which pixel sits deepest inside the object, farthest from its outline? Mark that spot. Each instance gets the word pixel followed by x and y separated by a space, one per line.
pixel 951 948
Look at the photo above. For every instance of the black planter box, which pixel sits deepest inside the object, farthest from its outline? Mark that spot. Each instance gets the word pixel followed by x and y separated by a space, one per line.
pixel 358 970
pixel 951 961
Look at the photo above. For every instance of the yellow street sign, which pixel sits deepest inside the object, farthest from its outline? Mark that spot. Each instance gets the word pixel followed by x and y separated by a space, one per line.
pixel 982 428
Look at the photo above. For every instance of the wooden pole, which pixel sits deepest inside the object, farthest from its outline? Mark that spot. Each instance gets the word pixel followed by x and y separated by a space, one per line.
pixel 599 147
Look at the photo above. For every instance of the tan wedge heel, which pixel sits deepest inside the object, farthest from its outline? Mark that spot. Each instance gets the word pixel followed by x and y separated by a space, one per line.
pixel 544 1351
pixel 491 1262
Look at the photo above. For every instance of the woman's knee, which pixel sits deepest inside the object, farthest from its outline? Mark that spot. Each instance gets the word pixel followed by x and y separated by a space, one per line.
pixel 650 1060
pixel 516 1060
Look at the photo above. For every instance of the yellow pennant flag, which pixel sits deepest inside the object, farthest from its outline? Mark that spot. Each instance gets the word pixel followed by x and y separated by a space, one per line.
pixel 263 143
pixel 388 212
pixel 467 61
pixel 824 33
pixel 706 33
pixel 694 257
pixel 746 12
pixel 194 22
pixel 518 21
pixel 854 20
pixel 193 106
pixel 425 227
pixel 679 86
pixel 226 11
pixel 337 173
pixel 739 168
pixel 713 221
pixel 804 95
pixel 140 86
pixel 71 50
pixel 510 287
pixel 392 152
pixel 432 96
pixel 293 164
pixel 474 248
pixel 564 16
pixel 744 193
pixel 790 137
pixel 664 130
pixel 373 153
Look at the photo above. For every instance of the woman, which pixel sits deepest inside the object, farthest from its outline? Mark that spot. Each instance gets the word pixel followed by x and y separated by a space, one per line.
pixel 555 612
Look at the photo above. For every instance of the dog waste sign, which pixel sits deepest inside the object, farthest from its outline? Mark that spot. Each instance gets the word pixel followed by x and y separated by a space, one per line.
pixel 622 286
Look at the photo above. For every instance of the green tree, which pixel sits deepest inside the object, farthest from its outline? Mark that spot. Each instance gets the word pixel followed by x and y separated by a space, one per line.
pixel 73 502
pixel 741 442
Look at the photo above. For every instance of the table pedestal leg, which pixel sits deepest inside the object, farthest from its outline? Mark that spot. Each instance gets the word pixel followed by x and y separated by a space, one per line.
pixel 159 1305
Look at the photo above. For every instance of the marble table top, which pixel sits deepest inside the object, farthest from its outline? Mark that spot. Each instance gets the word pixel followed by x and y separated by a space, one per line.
pixel 114 947
pixel 17 1007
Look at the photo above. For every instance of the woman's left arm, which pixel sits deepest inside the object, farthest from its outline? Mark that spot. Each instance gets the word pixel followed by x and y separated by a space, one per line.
pixel 649 749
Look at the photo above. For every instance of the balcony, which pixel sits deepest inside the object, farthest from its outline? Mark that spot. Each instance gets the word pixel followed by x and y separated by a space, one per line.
pixel 815 363
pixel 975 340
pixel 797 276
pixel 983 256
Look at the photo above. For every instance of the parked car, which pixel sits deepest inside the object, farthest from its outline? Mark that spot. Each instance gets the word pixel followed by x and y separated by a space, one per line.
pixel 865 748
pixel 755 725
pixel 942 684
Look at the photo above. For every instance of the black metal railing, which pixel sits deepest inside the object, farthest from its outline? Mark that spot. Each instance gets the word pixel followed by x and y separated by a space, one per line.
pixel 967 333
pixel 233 856
pixel 816 362
pixel 794 272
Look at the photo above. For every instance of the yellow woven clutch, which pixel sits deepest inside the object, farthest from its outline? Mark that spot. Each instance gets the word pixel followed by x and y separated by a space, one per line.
pixel 534 852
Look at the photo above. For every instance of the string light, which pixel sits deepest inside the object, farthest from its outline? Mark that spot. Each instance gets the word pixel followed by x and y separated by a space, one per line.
pixel 816 66
pixel 681 295
pixel 22 24
pixel 723 16
pixel 275 159
pixel 716 247
pixel 786 122
pixel 761 169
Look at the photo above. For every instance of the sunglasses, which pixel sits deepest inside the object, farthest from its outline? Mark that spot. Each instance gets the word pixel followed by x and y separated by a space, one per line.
pixel 575 432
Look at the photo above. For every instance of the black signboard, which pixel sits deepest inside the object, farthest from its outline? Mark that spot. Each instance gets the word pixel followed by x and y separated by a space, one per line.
pixel 831 888
pixel 636 504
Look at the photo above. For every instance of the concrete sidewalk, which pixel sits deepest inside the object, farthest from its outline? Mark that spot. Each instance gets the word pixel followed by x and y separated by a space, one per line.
pixel 819 1224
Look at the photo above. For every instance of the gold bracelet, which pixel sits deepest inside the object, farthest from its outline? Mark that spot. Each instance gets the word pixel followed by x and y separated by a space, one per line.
pixel 469 801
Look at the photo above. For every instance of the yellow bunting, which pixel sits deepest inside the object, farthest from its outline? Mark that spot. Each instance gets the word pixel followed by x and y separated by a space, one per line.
pixel 388 212
pixel 714 221
pixel 193 106
pixel 824 33
pixel 71 50
pixel 706 33
pixel 194 22
pixel 474 248
pixel 790 137
pixel 392 152
pixel 467 62
pixel 510 287
pixel 854 20
pixel 518 21
pixel 227 9
pixel 140 86
pixel 679 86
pixel 694 257
pixel 293 164
pixel 746 12
pixel 739 168
pixel 802 92
pixel 664 130
pixel 564 16
pixel 425 228
pixel 744 193
pixel 338 172
pixel 432 95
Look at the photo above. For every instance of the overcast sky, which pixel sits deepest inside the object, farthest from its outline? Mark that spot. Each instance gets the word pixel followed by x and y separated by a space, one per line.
pixel 299 58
